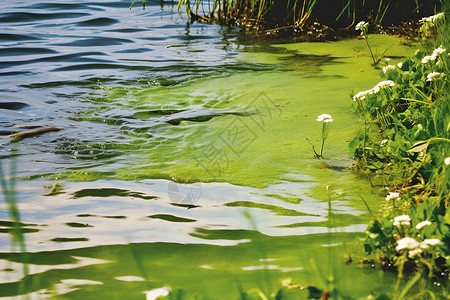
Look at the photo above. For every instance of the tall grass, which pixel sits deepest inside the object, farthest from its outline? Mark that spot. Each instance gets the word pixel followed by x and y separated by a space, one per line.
pixel 297 13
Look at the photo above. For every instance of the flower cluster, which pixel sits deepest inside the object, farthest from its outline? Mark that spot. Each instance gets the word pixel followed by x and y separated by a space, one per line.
pixel 429 23
pixel 433 76
pixel 415 247
pixel 393 196
pixel 382 85
pixel 403 220
pixel 432 19
pixel 388 68
pixel 436 52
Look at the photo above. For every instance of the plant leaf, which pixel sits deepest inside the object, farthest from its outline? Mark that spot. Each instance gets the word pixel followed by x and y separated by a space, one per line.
pixel 419 146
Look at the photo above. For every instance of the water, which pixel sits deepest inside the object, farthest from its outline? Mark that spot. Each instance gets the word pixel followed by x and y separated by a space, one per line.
pixel 171 134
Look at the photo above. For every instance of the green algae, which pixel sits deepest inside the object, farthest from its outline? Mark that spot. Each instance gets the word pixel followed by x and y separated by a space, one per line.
pixel 276 209
pixel 281 106
pixel 263 119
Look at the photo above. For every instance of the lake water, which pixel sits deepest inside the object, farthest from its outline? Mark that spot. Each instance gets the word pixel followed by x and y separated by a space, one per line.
pixel 183 159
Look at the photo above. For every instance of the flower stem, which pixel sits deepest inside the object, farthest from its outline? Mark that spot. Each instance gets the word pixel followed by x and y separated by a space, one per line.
pixel 370 50
pixel 321 148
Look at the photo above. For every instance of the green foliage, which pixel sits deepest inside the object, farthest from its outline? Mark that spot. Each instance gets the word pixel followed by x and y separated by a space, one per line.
pixel 326 119
pixel 406 136
pixel 364 27
pixel 405 142
pixel 426 223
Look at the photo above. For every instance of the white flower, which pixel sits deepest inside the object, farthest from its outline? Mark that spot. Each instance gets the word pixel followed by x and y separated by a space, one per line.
pixel 432 19
pixel 325 118
pixel 436 52
pixel 383 84
pixel 361 25
pixel 402 220
pixel 406 243
pixel 388 68
pixel 431 242
pixel 432 76
pixel 392 196
pixel 157 293
pixel 362 95
pixel 400 64
pixel 427 58
pixel 447 160
pixel 383 143
pixel 422 224
pixel 414 252
pixel 376 89
pixel 439 50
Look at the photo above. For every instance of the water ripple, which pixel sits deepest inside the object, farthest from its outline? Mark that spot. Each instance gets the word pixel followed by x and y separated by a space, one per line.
pixel 19 17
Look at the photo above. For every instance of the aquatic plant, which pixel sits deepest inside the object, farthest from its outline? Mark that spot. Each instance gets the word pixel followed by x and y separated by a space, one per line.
pixel 405 121
pixel 429 24
pixel 364 27
pixel 404 144
pixel 294 14
pixel 326 119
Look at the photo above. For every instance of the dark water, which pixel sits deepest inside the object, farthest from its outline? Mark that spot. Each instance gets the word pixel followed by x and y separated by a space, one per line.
pixel 102 236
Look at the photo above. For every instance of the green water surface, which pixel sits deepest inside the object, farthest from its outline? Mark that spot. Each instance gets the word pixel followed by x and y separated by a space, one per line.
pixel 240 141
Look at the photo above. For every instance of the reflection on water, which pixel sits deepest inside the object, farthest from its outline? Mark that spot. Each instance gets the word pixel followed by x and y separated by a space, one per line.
pixel 92 236
pixel 115 212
